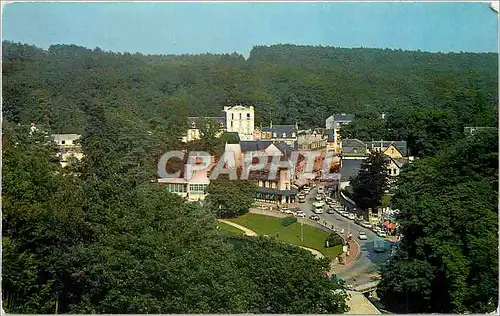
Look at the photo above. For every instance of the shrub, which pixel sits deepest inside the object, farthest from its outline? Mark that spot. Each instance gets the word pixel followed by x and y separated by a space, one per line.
pixel 287 221
pixel 333 240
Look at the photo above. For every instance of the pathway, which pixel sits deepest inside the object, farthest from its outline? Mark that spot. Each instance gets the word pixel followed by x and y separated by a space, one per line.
pixel 247 231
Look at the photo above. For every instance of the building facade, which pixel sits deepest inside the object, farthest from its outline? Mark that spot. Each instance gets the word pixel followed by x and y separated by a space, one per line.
pixel 68 147
pixel 334 124
pixel 240 119
pixel 194 123
pixel 311 140
pixel 278 133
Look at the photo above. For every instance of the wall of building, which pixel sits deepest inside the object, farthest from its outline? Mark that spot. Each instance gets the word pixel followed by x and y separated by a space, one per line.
pixel 241 120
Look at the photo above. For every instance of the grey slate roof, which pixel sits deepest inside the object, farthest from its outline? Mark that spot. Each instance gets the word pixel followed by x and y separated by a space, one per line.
pixel 254 145
pixel 196 119
pixel 330 136
pixel 353 146
pixel 349 168
pixel 343 117
pixel 400 145
pixel 280 129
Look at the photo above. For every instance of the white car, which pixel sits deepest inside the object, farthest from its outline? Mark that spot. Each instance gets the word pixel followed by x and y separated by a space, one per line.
pixel 288 211
pixel 381 234
pixel 300 214
pixel 366 224
pixel 344 213
pixel 351 216
pixel 362 236
pixel 319 197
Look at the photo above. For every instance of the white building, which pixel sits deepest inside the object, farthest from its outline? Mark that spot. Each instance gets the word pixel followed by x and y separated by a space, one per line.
pixel 334 124
pixel 240 119
pixel 68 147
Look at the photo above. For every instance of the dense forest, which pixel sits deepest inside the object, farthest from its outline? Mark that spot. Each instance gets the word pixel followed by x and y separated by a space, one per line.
pixel 286 83
pixel 100 237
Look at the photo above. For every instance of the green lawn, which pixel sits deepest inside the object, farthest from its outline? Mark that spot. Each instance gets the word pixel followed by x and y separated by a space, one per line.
pixel 230 229
pixel 271 226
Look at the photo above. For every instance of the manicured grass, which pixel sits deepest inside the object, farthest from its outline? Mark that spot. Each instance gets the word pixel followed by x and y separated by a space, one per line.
pixel 230 229
pixel 271 226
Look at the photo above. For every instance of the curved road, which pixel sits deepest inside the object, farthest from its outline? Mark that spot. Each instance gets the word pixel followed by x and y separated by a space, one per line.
pixel 367 264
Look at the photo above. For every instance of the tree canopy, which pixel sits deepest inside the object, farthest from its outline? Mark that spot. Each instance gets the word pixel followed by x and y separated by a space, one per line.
pixel 448 259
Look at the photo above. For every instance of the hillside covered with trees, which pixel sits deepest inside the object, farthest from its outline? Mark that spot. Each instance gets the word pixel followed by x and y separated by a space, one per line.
pixel 286 83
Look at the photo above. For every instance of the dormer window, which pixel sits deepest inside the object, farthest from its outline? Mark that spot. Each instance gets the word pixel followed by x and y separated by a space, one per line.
pixel 275 135
pixel 193 124
pixel 221 125
pixel 284 135
pixel 293 134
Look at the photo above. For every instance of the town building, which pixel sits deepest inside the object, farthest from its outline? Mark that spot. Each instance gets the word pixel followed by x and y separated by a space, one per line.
pixel 278 133
pixel 240 119
pixel 311 140
pixel 334 124
pixel 195 126
pixel 279 189
pixel 68 147
pixel 192 187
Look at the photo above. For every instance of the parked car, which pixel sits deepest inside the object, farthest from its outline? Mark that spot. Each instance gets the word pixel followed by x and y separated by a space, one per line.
pixel 300 214
pixel 288 211
pixel 382 234
pixel 362 236
pixel 358 221
pixel 314 217
pixel 366 224
pixel 284 209
pixel 351 216
pixel 319 197
pixel 331 210
pixel 344 213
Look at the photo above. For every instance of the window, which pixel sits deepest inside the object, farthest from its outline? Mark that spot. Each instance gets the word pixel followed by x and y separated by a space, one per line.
pixel 293 134
pixel 395 171
pixel 221 125
pixel 284 135
pixel 275 135
pixel 273 185
pixel 261 183
pixel 240 116
pixel 193 124
pixel 392 150
pixel 248 116
pixel 232 116
pixel 231 123
pixel 390 171
pixel 197 188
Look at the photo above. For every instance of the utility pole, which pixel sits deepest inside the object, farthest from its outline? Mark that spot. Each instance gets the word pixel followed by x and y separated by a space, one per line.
pixel 302 231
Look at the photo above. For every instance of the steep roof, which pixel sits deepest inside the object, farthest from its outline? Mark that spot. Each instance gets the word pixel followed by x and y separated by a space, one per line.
pixel 401 145
pixel 349 168
pixel 280 129
pixel 254 145
pixel 343 117
pixel 196 119
pixel 330 136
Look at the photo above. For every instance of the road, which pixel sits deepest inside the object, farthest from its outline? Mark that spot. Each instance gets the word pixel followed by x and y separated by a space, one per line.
pixel 367 265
